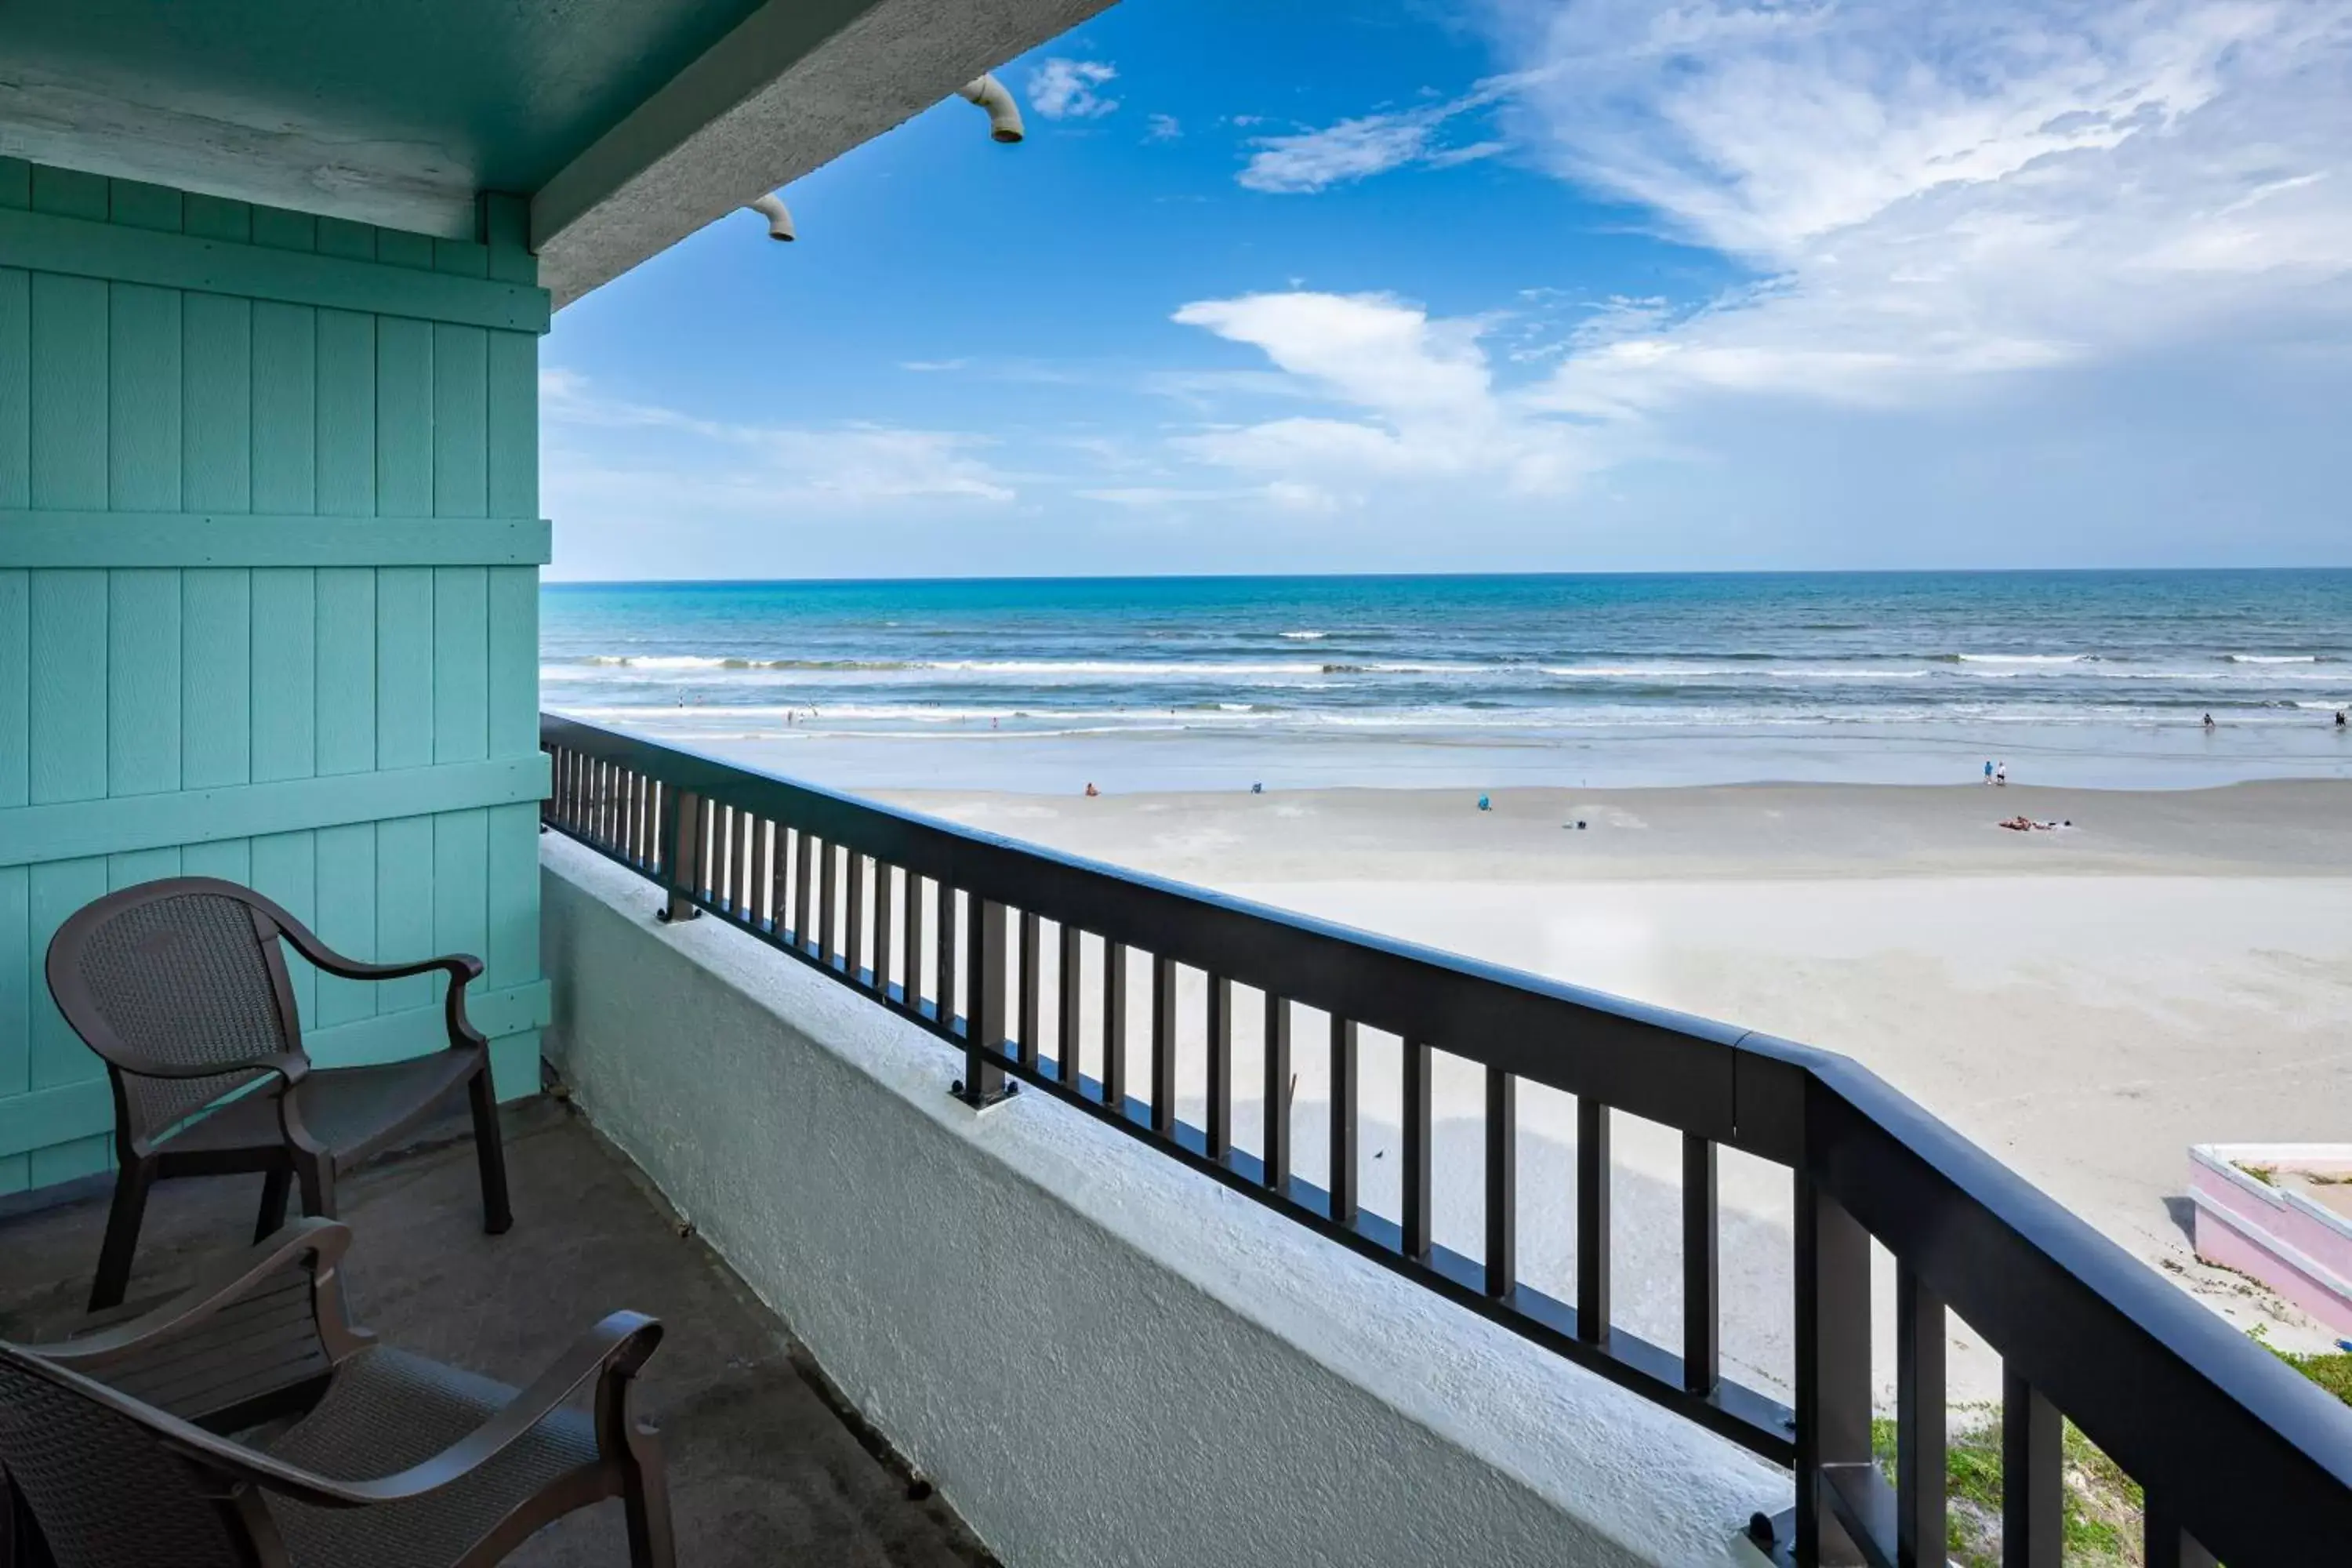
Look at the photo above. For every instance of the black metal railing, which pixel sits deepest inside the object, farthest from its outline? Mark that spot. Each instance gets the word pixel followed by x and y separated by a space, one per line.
pixel 2240 1456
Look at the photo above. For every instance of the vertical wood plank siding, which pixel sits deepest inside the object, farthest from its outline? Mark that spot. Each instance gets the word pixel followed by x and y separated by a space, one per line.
pixel 128 397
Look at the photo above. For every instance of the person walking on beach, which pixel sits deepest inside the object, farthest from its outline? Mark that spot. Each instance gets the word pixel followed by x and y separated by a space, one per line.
pixel 2209 721
pixel 1987 770
pixel 2001 775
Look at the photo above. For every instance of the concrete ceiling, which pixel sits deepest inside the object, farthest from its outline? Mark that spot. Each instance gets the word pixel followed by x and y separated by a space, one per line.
pixel 630 124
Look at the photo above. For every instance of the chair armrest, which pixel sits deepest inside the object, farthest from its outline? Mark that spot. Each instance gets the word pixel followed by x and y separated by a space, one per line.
pixel 462 966
pixel 614 1348
pixel 248 1344
pixel 463 969
pixel 231 1280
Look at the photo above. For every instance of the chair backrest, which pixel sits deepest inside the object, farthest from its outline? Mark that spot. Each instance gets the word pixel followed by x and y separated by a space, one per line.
pixel 105 1489
pixel 181 973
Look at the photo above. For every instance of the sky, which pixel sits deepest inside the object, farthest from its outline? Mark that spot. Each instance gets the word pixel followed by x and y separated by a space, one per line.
pixel 1518 285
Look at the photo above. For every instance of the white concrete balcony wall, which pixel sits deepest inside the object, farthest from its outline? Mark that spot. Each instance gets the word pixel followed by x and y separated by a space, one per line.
pixel 1099 1356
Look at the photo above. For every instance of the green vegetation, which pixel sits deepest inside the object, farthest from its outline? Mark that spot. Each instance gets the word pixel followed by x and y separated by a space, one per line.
pixel 2332 1370
pixel 2266 1174
pixel 2103 1504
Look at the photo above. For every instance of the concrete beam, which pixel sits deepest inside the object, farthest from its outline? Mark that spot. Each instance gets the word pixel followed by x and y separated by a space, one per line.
pixel 790 88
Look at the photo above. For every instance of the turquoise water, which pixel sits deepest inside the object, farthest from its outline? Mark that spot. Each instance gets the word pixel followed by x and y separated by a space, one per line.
pixel 2076 677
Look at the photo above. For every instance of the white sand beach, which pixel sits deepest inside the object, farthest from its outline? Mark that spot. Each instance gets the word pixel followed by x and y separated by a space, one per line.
pixel 2085 1003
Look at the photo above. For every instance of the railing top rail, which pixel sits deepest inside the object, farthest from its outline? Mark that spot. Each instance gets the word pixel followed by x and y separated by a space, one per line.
pixel 1653 1062
pixel 2240 1442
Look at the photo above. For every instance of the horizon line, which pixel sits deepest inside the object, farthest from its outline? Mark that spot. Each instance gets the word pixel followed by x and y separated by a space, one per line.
pixel 546 582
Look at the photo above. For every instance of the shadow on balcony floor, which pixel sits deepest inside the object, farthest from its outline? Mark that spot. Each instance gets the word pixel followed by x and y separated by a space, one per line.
pixel 762 1470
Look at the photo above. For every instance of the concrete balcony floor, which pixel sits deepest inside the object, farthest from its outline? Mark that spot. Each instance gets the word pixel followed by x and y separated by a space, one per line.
pixel 763 1469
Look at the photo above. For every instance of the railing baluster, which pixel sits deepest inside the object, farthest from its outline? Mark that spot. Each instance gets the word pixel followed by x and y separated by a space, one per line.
pixel 1278 1093
pixel 1220 1131
pixel 722 859
pixel 685 835
pixel 1502 1183
pixel 1163 1044
pixel 1920 1498
pixel 1702 1290
pixel 748 901
pixel 944 929
pixel 1592 1208
pixel 1342 1175
pixel 722 855
pixel 829 937
pixel 804 887
pixel 1833 1325
pixel 2167 1545
pixel 1415 1173
pixel 757 878
pixel 984 1040
pixel 1114 1073
pixel 1030 1004
pixel 1065 1037
pixel 2033 1477
pixel 779 882
pixel 911 960
pixel 852 918
pixel 659 842
pixel 884 875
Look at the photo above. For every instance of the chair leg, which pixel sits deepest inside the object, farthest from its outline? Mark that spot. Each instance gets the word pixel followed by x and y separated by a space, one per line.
pixel 122 1220
pixel 490 1151
pixel 645 1498
pixel 274 1188
pixel 317 1180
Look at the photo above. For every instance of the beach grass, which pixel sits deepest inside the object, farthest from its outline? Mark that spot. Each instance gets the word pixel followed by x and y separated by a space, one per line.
pixel 2103 1506
pixel 2332 1370
pixel 2102 1527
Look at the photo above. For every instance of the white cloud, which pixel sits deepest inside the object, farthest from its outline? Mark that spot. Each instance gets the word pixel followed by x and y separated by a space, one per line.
pixel 1935 192
pixel 1418 399
pixel 1369 144
pixel 1061 89
pixel 1163 128
pixel 1149 497
pixel 610 456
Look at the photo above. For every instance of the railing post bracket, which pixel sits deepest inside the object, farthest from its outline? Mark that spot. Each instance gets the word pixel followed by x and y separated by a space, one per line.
pixel 985 1098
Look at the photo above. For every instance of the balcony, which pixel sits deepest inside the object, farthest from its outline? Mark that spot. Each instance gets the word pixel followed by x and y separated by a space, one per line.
pixel 763 1466
pixel 983 1133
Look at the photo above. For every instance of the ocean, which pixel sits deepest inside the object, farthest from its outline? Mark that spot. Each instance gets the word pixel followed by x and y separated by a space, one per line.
pixel 2097 679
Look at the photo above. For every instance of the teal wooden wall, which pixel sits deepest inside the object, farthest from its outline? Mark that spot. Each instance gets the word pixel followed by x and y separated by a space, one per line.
pixel 269 552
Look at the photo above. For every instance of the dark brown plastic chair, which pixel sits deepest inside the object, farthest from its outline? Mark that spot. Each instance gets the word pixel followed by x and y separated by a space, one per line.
pixel 246 1423
pixel 181 986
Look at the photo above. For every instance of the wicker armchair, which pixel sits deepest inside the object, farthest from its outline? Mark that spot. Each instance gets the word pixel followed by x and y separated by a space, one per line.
pixel 181 986
pixel 246 1423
